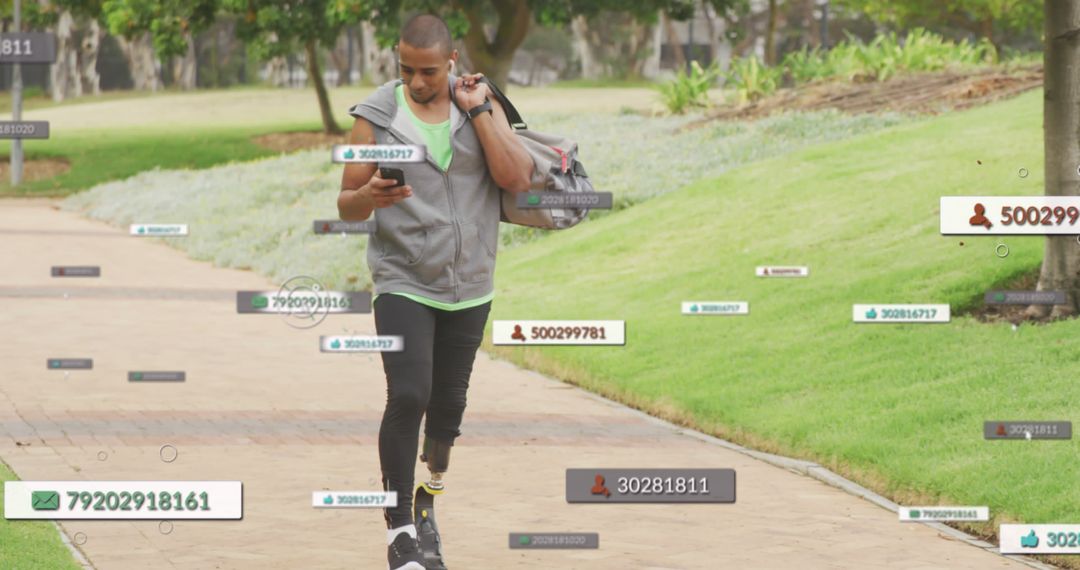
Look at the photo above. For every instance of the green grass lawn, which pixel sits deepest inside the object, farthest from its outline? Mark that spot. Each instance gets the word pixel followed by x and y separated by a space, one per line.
pixel 97 157
pixel 30 545
pixel 898 407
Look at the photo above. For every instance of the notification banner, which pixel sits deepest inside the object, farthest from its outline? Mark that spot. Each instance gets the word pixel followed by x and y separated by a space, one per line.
pixel 650 485
pixel 1010 215
pixel 1039 538
pixel 354 499
pixel 558 332
pixel 378 153
pixel 156 500
pixel 900 313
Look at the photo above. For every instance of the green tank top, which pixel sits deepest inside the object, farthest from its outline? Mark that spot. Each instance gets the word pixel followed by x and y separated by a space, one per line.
pixel 437 139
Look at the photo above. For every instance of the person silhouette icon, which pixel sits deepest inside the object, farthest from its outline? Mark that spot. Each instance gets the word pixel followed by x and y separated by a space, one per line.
pixel 599 488
pixel 517 334
pixel 979 219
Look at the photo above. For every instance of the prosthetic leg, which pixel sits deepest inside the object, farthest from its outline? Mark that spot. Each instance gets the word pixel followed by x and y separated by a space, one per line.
pixel 437 456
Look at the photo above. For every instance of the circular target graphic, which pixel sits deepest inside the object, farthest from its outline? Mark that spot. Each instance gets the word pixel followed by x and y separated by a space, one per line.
pixel 304 311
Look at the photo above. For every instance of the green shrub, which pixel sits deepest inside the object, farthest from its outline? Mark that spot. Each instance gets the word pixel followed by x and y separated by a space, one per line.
pixel 886 56
pixel 689 90
pixel 751 79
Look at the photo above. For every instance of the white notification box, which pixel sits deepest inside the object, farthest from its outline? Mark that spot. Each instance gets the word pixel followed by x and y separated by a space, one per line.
pixel 782 271
pixel 171 500
pixel 159 230
pixel 911 313
pixel 1010 215
pixel 716 308
pixel 362 343
pixel 559 332
pixel 379 153
pixel 354 499
pixel 936 514
pixel 1039 538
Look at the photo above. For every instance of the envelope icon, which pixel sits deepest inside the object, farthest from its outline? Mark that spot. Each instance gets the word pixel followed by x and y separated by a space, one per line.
pixel 45 500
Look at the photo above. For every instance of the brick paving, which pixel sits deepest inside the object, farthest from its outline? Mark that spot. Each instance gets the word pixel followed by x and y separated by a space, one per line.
pixel 262 405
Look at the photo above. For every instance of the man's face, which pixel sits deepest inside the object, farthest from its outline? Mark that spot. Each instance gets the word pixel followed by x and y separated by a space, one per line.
pixel 424 71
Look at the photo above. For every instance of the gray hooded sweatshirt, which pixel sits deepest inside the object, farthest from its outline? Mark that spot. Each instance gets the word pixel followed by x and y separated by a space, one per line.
pixel 440 242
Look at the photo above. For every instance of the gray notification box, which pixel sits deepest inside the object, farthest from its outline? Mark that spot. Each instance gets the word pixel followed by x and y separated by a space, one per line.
pixel 554 540
pixel 1020 430
pixel 76 271
pixel 70 363
pixel 359 302
pixel 24 129
pixel 157 376
pixel 590 200
pixel 1025 298
pixel 342 226
pixel 629 486
pixel 27 47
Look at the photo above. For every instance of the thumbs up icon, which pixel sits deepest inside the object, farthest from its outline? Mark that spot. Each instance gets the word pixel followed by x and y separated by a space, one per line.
pixel 871 314
pixel 1029 541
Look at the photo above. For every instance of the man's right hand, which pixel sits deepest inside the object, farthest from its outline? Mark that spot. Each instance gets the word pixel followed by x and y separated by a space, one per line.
pixel 383 193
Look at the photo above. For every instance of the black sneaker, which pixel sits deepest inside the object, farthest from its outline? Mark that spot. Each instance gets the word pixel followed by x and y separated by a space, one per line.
pixel 403 554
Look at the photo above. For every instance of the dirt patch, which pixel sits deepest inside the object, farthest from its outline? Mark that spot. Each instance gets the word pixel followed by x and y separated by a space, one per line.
pixel 922 93
pixel 35 169
pixel 1015 314
pixel 292 142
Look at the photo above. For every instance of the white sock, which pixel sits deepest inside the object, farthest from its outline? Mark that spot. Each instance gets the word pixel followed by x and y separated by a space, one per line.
pixel 393 533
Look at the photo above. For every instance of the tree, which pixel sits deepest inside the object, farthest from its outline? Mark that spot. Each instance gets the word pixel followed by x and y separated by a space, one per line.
pixel 616 45
pixel 984 18
pixel 76 24
pixel 492 52
pixel 770 34
pixel 164 28
pixel 278 27
pixel 1061 123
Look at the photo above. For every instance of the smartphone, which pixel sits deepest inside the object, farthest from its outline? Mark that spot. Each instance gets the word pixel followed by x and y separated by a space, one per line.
pixel 395 174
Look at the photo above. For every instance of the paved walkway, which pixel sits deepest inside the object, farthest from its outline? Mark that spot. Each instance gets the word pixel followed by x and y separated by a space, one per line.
pixel 262 405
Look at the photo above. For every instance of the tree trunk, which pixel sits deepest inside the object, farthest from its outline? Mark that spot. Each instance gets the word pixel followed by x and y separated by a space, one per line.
pixel 65 72
pixel 88 56
pixel 139 53
pixel 770 35
pixel 340 57
pixel 986 29
pixel 377 63
pixel 651 68
pixel 184 67
pixel 676 44
pixel 1061 140
pixel 495 57
pixel 590 65
pixel 613 44
pixel 810 37
pixel 710 24
pixel 330 126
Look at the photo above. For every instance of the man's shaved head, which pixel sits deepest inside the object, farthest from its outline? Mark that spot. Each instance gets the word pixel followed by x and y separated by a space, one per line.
pixel 427 31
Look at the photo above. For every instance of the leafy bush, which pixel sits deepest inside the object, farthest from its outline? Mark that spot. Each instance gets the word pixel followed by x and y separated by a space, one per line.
pixel 886 56
pixel 751 79
pixel 689 91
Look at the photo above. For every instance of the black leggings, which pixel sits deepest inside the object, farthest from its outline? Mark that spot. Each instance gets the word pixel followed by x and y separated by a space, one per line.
pixel 431 375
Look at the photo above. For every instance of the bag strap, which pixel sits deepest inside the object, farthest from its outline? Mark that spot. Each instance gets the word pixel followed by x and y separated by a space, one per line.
pixel 512 115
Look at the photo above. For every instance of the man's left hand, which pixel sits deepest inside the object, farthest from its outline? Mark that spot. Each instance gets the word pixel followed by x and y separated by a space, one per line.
pixel 469 92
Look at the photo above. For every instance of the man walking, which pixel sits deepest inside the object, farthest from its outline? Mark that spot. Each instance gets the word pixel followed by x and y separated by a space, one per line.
pixel 432 261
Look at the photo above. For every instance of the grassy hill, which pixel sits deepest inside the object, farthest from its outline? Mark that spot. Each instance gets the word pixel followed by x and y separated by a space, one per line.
pixel 898 407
